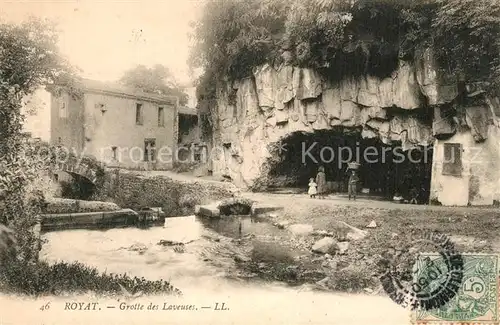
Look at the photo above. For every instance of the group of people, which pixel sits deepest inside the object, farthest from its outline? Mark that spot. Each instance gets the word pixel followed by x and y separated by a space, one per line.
pixel 318 187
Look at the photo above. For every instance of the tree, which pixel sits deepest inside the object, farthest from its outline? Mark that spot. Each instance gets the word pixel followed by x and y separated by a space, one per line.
pixel 338 37
pixel 468 35
pixel 158 80
pixel 30 58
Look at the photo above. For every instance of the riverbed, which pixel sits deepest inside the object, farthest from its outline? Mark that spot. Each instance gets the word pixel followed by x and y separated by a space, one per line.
pixel 204 270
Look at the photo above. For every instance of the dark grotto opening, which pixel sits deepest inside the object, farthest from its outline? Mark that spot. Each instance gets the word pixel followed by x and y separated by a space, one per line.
pixel 384 170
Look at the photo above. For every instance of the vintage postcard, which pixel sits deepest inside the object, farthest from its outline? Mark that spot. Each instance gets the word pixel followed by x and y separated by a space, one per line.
pixel 250 162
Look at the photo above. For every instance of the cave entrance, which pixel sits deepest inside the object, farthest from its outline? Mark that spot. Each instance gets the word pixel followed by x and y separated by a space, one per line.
pixel 384 170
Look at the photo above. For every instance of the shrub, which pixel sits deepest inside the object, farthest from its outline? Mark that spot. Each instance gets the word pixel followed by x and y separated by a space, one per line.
pixel 44 279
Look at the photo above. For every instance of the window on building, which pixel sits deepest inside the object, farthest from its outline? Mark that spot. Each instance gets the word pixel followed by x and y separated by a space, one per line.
pixel 138 114
pixel 63 108
pixel 150 150
pixel 115 156
pixel 452 162
pixel 161 116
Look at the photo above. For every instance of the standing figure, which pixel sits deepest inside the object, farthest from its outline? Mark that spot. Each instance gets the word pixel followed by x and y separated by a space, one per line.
pixel 321 182
pixel 312 188
pixel 414 195
pixel 353 185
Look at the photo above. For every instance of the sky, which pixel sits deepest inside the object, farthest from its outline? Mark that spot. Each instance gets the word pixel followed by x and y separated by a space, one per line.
pixel 105 38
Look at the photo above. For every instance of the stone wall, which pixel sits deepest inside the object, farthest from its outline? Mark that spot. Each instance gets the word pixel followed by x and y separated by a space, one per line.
pixel 252 113
pixel 67 121
pixel 135 191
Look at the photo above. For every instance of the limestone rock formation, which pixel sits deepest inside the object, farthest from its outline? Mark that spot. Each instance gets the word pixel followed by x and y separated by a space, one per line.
pixel 276 102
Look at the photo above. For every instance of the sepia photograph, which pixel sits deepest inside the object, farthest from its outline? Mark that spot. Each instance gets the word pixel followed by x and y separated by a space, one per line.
pixel 250 162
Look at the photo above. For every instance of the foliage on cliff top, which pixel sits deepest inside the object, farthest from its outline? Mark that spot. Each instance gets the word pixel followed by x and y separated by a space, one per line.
pixel 345 36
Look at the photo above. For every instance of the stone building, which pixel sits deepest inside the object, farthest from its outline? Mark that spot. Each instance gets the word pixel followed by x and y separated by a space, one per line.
pixel 455 126
pixel 36 109
pixel 119 126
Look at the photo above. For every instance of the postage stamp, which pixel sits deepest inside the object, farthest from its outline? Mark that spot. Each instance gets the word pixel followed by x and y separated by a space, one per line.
pixel 475 301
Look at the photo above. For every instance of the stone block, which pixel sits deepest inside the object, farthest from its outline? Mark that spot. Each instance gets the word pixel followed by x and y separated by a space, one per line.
pixel 123 217
pixel 211 211
pixel 259 208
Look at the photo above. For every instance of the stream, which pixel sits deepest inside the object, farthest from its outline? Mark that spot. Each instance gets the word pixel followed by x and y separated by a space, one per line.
pixel 205 267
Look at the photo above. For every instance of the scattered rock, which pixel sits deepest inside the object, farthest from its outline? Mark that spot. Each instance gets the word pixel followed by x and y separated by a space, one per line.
pixel 354 233
pixel 165 242
pixel 355 236
pixel 332 265
pixel 281 224
pixel 368 290
pixel 301 229
pixel 394 235
pixel 140 248
pixel 323 233
pixel 372 224
pixel 324 245
pixel 343 247
pixel 241 258
pixel 272 215
pixel 249 236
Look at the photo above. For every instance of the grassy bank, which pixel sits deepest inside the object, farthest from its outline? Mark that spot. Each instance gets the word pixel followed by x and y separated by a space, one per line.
pixel 40 279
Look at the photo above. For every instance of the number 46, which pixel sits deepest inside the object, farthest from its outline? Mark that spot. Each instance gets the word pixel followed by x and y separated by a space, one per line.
pixel 45 307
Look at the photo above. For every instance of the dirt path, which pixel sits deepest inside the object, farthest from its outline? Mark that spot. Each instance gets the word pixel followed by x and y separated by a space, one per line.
pixel 304 199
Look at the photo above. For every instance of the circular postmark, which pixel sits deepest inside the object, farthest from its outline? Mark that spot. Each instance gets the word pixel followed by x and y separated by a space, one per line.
pixel 425 273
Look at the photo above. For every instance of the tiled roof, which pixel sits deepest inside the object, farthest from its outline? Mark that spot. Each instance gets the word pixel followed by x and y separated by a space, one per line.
pixel 114 89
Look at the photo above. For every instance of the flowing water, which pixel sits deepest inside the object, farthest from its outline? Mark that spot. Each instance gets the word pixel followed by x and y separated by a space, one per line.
pixel 205 267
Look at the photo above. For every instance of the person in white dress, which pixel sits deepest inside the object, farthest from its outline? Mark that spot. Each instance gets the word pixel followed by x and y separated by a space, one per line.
pixel 312 188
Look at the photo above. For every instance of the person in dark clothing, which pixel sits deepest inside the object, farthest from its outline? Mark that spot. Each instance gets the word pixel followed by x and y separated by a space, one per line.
pixel 321 182
pixel 353 185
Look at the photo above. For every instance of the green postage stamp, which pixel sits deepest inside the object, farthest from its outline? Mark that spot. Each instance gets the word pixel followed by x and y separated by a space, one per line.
pixel 475 299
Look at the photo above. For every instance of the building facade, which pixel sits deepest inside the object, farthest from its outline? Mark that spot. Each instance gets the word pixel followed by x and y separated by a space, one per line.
pixel 116 125
pixel 36 110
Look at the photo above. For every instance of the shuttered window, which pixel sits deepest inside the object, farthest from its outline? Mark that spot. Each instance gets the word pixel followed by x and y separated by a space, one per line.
pixel 452 160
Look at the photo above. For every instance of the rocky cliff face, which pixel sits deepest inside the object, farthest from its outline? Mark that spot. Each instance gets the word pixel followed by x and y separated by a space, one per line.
pixel 255 112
